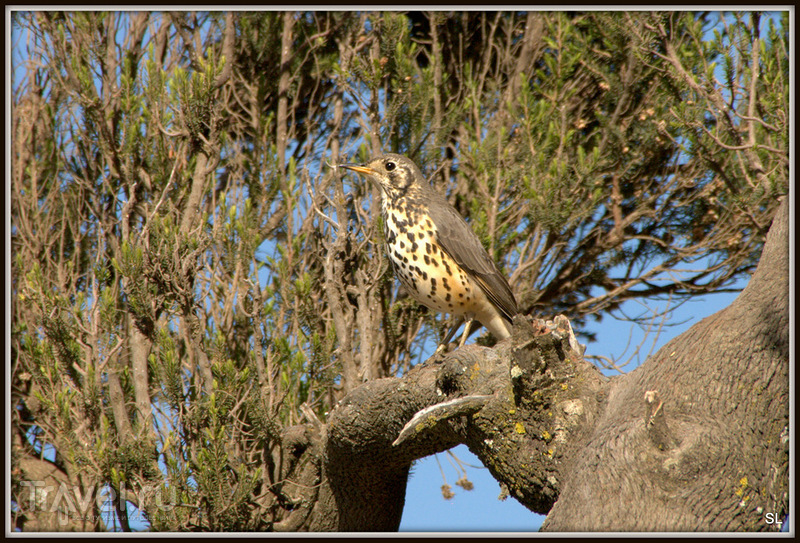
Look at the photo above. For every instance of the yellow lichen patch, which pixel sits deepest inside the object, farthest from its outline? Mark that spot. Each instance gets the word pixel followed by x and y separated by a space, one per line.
pixel 519 428
pixel 564 386
pixel 546 436
pixel 742 486
pixel 476 370
pixel 512 411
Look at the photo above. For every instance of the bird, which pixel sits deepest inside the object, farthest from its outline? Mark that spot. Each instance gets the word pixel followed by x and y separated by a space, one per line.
pixel 435 254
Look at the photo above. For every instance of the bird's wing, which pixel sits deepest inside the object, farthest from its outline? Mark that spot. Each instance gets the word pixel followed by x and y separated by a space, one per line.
pixel 462 245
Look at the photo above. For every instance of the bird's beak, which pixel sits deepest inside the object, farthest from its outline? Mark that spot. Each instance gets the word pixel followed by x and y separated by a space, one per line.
pixel 359 168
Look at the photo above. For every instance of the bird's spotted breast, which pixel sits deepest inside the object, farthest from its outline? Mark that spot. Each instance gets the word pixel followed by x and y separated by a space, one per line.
pixel 428 274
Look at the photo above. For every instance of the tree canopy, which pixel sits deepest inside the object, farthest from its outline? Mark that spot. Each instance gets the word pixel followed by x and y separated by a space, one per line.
pixel 191 280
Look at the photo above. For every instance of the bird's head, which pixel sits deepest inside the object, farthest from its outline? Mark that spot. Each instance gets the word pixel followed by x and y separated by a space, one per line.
pixel 395 174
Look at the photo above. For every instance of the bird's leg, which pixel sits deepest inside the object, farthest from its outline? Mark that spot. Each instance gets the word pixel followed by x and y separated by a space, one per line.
pixel 443 345
pixel 465 335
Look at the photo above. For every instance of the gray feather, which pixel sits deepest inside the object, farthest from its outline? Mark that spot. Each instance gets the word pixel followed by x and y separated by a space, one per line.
pixel 462 245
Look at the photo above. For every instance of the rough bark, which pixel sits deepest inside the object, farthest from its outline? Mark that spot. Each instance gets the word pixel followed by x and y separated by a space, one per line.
pixel 516 406
pixel 714 456
pixel 694 439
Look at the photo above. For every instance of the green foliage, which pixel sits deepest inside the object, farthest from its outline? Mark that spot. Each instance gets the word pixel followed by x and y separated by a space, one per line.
pixel 188 273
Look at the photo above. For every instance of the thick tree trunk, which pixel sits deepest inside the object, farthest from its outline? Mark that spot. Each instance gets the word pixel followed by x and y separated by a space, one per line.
pixel 694 439
pixel 697 438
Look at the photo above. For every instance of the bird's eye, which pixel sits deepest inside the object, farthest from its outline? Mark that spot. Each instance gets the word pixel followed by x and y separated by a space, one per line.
pixel 390 166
